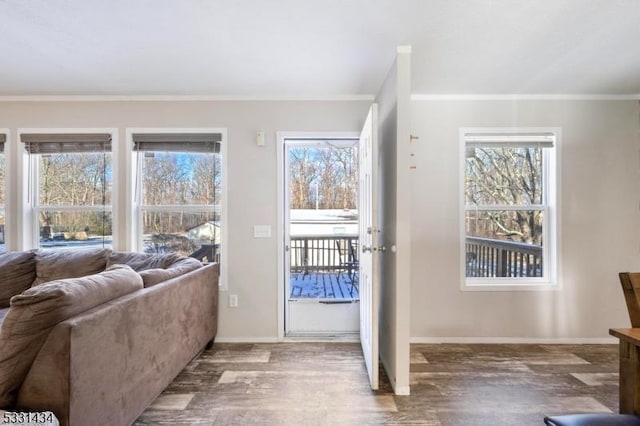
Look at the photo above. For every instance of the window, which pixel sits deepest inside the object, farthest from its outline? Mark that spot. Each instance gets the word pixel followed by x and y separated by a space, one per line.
pixel 179 193
pixel 3 140
pixel 70 183
pixel 508 220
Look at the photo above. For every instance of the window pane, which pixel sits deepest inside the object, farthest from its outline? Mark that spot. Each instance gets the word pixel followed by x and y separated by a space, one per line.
pixel 2 179
pixel 2 246
pixel 186 233
pixel 71 229
pixel 504 243
pixel 503 176
pixel 174 178
pixel 75 179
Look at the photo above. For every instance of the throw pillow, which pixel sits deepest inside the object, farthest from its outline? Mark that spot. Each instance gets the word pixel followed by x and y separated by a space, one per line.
pixel 37 310
pixel 57 265
pixel 17 272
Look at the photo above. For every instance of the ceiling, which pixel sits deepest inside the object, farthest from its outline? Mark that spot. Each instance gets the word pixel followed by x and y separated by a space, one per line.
pixel 317 48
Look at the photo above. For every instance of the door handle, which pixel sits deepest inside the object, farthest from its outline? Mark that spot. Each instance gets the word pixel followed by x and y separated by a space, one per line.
pixel 367 249
pixel 286 247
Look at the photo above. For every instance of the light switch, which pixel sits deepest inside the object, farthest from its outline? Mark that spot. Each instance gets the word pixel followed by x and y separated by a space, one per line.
pixel 260 138
pixel 262 231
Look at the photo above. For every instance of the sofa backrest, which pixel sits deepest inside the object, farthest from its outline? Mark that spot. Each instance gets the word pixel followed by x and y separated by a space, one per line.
pixel 22 270
pixel 142 261
pixel 181 266
pixel 60 264
pixel 17 272
pixel 155 268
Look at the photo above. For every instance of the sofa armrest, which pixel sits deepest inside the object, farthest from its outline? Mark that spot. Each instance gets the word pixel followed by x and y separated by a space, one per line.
pixel 108 364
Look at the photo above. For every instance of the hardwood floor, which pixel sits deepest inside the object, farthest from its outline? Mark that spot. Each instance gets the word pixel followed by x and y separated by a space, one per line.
pixel 326 384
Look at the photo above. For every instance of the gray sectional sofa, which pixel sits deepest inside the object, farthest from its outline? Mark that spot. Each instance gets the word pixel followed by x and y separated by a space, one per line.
pixel 94 335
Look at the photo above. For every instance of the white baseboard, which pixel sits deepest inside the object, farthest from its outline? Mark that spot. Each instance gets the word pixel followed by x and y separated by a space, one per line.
pixel 417 340
pixel 520 340
pixel 246 339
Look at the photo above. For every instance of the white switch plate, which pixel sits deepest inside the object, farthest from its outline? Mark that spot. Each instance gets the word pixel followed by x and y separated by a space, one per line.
pixel 262 231
pixel 233 300
pixel 260 138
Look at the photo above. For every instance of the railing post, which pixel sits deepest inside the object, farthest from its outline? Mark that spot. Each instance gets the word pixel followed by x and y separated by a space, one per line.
pixel 503 262
pixel 306 256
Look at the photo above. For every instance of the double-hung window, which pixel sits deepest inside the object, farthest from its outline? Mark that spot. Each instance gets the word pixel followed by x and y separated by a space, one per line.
pixel 179 193
pixel 3 140
pixel 70 189
pixel 509 212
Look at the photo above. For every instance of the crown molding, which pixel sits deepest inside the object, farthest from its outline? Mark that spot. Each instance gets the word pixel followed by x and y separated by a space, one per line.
pixel 179 98
pixel 522 97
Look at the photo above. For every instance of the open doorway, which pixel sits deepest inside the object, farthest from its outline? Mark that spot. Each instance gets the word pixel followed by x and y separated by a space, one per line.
pixel 320 236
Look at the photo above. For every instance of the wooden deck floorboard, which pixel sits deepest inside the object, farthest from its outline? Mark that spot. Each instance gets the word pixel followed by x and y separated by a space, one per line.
pixel 323 285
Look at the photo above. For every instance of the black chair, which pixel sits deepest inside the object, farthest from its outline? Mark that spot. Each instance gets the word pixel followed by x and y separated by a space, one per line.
pixel 595 419
pixel 348 263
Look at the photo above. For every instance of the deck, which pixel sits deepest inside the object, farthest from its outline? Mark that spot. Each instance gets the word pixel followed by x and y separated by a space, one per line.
pixel 323 285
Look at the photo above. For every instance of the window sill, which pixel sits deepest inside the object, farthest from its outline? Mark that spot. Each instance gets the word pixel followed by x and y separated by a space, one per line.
pixel 508 285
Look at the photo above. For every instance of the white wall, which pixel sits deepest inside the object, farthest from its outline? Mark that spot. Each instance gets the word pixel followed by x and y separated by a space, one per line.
pixel 394 215
pixel 599 222
pixel 251 175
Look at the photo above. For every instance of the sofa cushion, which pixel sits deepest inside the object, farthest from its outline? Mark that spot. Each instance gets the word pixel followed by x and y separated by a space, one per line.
pixel 141 261
pixel 154 276
pixel 37 310
pixel 17 272
pixel 60 264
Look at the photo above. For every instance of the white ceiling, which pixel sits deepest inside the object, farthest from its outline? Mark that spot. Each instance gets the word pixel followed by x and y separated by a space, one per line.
pixel 317 48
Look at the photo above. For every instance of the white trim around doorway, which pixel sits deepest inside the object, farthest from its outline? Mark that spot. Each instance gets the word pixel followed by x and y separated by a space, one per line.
pixel 281 137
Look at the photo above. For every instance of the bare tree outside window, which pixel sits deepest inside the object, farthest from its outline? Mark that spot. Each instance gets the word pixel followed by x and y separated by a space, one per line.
pixel 505 177
pixel 181 199
pixel 74 197
pixel 505 208
pixel 75 180
pixel 323 178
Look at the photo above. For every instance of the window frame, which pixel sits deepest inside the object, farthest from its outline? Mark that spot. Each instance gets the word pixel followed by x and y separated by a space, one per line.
pixel 31 178
pixel 3 209
pixel 549 207
pixel 134 207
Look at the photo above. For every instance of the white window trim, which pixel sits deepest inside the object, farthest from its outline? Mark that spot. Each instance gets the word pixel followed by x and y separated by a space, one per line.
pixel 132 210
pixel 6 152
pixel 551 248
pixel 28 207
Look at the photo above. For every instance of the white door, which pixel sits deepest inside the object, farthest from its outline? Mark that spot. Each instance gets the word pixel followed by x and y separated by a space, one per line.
pixel 369 245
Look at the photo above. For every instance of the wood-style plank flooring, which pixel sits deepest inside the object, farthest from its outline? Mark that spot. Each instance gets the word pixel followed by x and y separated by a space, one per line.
pixel 326 384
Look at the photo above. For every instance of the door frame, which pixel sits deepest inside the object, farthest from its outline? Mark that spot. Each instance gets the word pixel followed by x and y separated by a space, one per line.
pixel 281 137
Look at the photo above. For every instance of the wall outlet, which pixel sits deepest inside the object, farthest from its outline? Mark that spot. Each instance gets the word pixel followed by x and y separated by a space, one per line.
pixel 233 300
